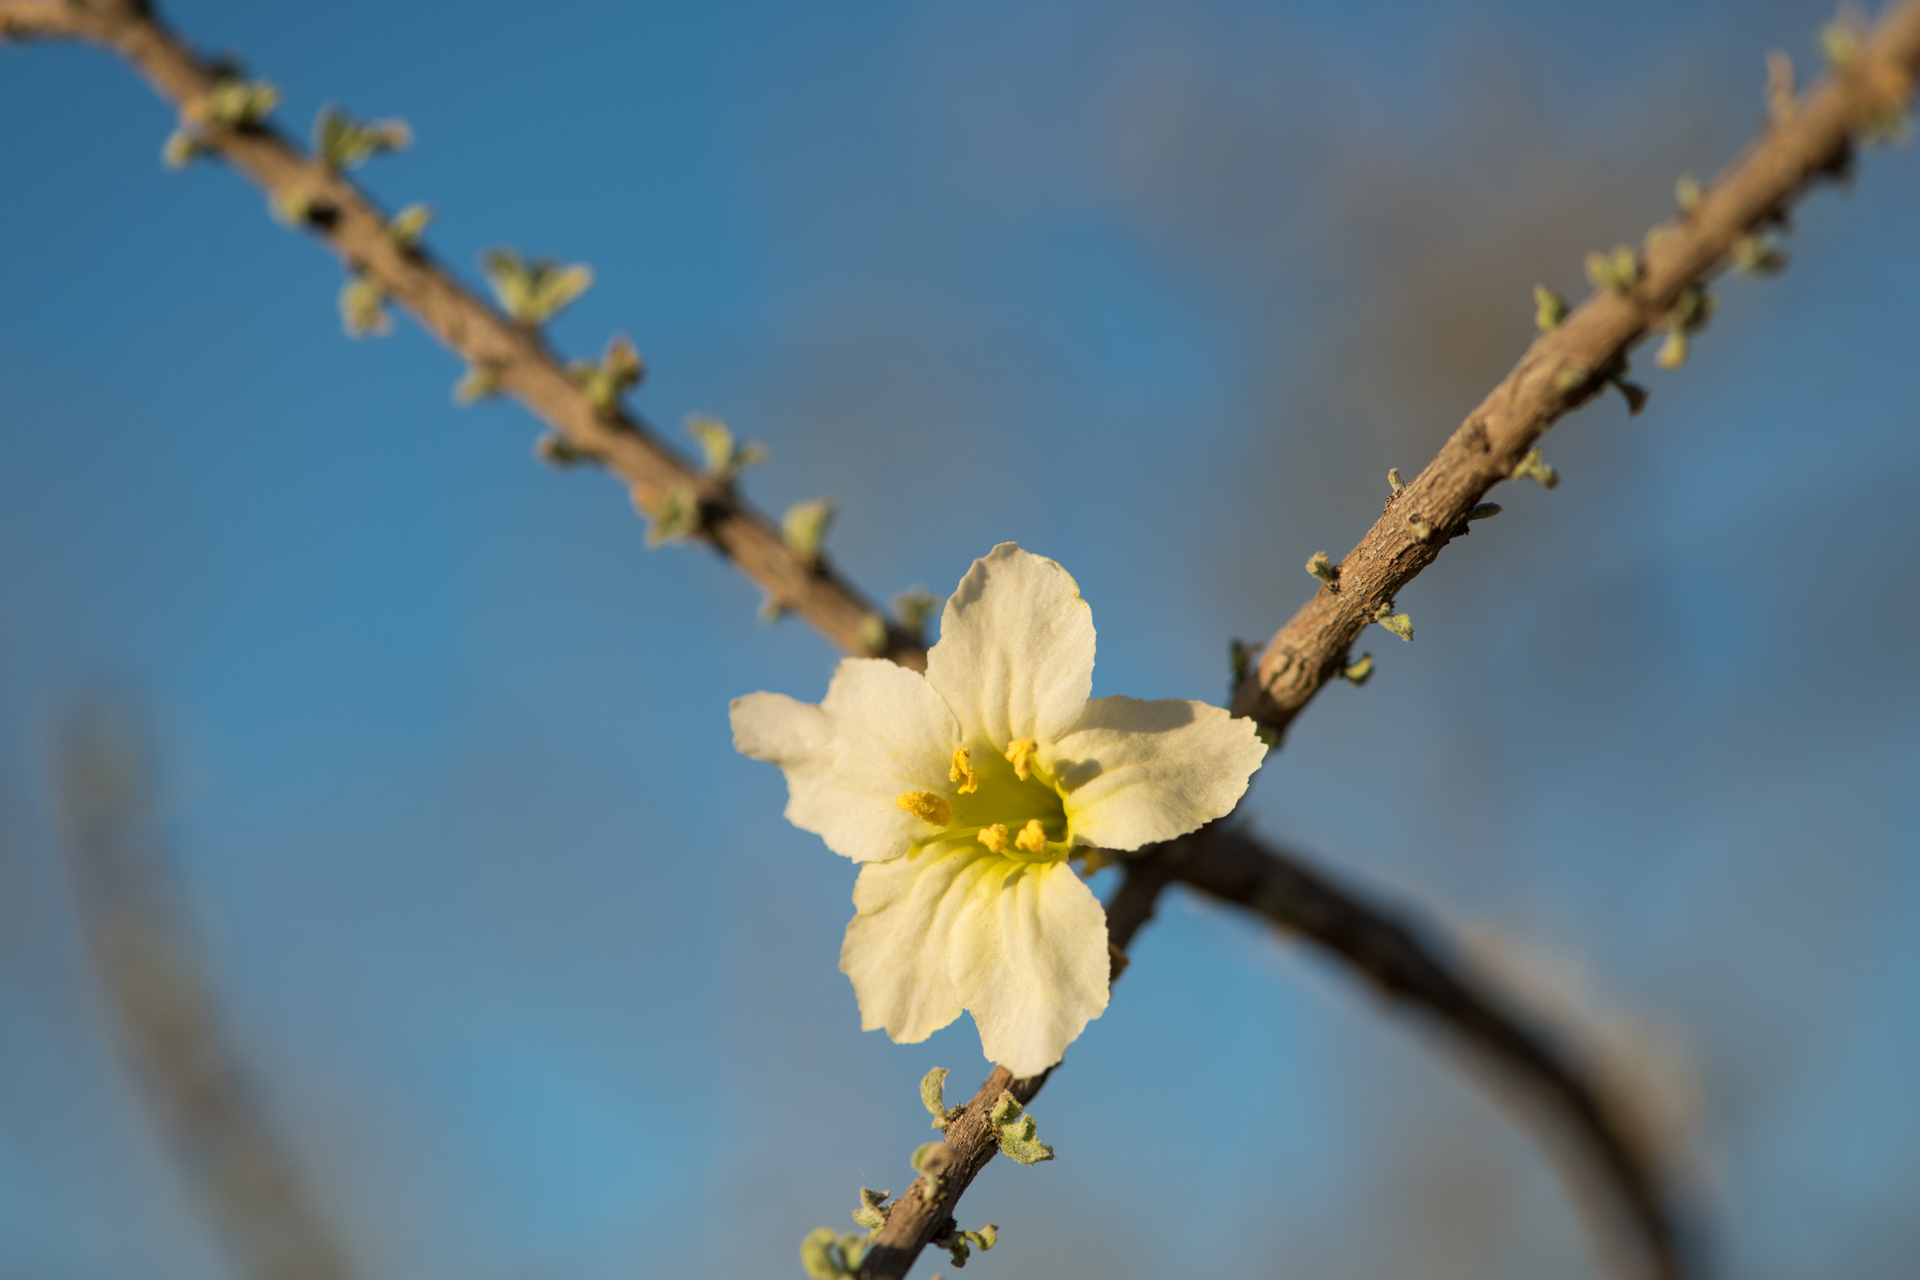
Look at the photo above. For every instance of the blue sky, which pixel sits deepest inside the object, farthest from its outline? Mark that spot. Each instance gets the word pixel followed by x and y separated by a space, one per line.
pixel 533 973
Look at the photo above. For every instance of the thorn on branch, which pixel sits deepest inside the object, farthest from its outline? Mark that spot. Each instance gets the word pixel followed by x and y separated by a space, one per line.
pixel 1781 103
pixel 341 142
pixel 804 528
pixel 1321 567
pixel 533 291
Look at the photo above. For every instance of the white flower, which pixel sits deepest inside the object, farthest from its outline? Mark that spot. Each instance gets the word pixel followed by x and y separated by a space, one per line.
pixel 964 793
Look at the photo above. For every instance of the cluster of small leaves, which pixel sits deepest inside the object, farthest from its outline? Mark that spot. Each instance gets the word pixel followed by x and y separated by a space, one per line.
pixel 232 103
pixel 533 291
pixel 674 516
pixel 343 143
pixel 1690 314
pixel 1615 272
pixel 1549 309
pixel 619 370
pixel 1398 623
pixel 1016 1131
pixel 960 1244
pixel 725 457
pixel 804 528
pixel 827 1254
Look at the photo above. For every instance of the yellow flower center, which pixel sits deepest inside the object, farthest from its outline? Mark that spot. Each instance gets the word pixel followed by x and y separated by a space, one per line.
pixel 1003 800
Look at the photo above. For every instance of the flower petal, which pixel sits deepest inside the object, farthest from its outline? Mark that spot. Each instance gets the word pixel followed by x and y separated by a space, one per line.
pixel 1135 772
pixel 895 950
pixel 1029 961
pixel 880 730
pixel 1022 945
pixel 1015 657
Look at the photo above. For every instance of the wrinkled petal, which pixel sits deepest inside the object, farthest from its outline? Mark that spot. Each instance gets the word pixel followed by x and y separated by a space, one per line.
pixel 880 730
pixel 1135 772
pixel 1015 656
pixel 895 950
pixel 1029 961
pixel 1020 945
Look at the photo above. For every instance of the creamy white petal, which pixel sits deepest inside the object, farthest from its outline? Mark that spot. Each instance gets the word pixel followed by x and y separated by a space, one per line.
pixel 895 950
pixel 1015 656
pixel 881 730
pixel 1135 772
pixel 1029 960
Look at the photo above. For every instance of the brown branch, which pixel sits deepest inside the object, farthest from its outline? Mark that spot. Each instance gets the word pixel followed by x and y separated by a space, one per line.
pixel 349 223
pixel 1398 955
pixel 166 1019
pixel 1568 365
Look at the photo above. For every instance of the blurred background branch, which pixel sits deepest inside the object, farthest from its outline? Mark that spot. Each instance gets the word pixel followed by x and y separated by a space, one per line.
pixel 163 1009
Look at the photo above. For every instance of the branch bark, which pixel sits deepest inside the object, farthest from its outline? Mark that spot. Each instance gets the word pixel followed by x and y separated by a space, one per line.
pixel 349 223
pixel 1808 138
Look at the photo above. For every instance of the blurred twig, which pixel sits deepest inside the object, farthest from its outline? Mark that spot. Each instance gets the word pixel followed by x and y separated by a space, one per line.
pixel 1807 138
pixel 164 1015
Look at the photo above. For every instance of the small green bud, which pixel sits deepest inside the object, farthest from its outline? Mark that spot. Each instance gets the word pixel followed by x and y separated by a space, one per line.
pixel 363 308
pixel 873 634
pixel 871 1214
pixel 1758 255
pixel 675 517
pixel 933 1095
pixel 409 225
pixel 1616 271
pixel 560 452
pixel 1688 193
pixel 1483 511
pixel 479 382
pixel 771 610
pixel 930 1160
pixel 1324 569
pixel 1573 375
pixel 1549 309
pixel 726 458
pixel 1421 530
pixel 619 370
pixel 533 292
pixel 1842 41
pixel 804 527
pixel 1394 481
pixel 912 608
pixel 1534 467
pixel 342 143
pixel 1398 623
pixel 1358 673
pixel 1673 350
pixel 182 149
pixel 827 1255
pixel 234 103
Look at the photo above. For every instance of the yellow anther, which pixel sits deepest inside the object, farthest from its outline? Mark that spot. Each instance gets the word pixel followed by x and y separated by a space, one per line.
pixel 1031 837
pixel 994 837
pixel 1020 755
pixel 926 806
pixel 963 772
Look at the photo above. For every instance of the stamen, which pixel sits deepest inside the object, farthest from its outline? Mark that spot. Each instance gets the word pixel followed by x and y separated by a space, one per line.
pixel 994 837
pixel 926 806
pixel 1020 755
pixel 963 772
pixel 1031 837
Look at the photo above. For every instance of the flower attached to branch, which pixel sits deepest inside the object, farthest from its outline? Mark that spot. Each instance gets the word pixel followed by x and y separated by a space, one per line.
pixel 967 792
